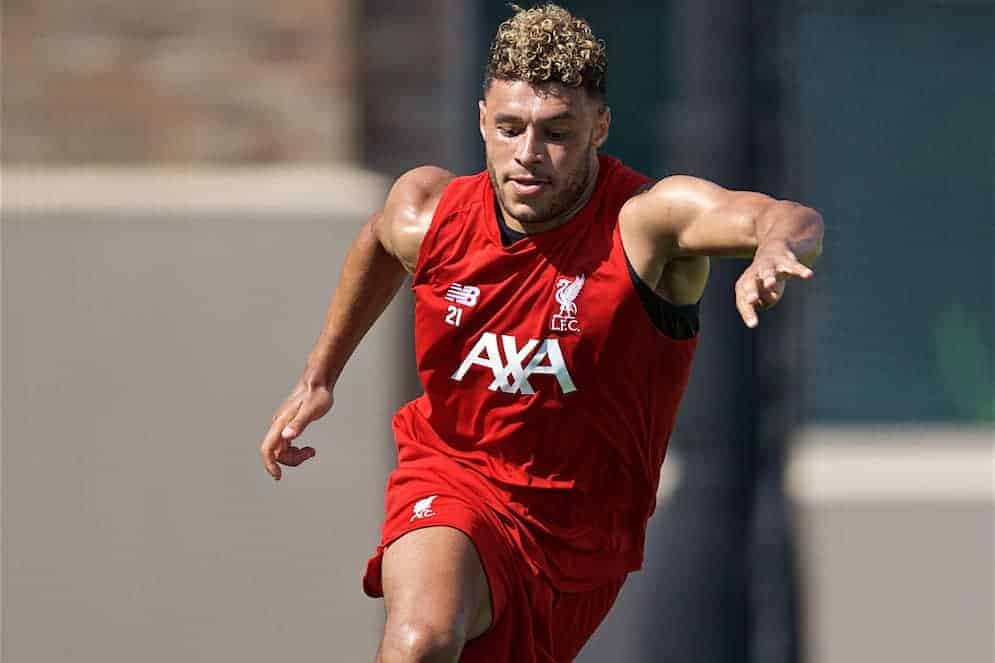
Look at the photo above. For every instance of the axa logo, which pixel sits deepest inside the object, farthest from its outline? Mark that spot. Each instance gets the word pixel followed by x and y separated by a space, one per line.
pixel 423 509
pixel 567 292
pixel 512 366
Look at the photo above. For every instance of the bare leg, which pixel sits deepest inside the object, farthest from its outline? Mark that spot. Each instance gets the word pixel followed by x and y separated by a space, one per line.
pixel 436 595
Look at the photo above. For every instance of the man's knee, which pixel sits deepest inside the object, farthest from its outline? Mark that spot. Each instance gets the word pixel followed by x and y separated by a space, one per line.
pixel 420 642
pixel 436 595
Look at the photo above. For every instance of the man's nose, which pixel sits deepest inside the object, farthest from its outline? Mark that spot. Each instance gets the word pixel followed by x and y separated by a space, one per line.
pixel 529 149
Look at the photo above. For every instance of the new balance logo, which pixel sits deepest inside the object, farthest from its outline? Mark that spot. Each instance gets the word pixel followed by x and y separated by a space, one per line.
pixel 464 295
pixel 511 371
pixel 423 509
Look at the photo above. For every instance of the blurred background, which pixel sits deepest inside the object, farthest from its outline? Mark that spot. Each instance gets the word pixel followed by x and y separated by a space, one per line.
pixel 180 182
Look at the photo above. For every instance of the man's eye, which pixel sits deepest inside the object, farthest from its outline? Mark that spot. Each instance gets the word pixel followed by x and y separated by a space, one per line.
pixel 559 135
pixel 509 131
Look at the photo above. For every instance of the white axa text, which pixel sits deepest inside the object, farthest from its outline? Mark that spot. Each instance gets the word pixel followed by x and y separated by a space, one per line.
pixel 510 375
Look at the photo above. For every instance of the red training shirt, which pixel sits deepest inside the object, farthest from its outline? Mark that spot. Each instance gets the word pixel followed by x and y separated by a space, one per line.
pixel 545 377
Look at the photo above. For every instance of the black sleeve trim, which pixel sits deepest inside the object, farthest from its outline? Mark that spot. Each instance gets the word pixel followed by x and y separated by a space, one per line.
pixel 677 322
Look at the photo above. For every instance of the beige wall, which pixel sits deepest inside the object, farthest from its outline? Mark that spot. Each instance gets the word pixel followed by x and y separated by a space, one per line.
pixel 896 527
pixel 145 347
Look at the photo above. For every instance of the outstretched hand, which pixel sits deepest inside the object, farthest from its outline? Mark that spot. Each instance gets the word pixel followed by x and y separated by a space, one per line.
pixel 761 286
pixel 304 405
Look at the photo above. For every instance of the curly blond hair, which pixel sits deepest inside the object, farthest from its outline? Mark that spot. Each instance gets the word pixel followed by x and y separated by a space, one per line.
pixel 547 44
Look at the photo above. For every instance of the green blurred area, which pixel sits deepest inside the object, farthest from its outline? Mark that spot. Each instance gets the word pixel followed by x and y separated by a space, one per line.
pixel 896 114
pixel 964 362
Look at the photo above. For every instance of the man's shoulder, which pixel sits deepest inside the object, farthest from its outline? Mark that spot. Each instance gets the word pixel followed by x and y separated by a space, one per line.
pixel 656 203
pixel 418 190
pixel 622 180
pixel 415 200
pixel 407 213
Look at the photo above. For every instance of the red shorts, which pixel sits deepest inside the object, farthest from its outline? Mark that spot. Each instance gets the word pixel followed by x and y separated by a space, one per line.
pixel 532 622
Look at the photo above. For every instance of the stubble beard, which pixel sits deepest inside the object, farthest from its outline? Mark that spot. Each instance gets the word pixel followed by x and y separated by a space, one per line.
pixel 563 204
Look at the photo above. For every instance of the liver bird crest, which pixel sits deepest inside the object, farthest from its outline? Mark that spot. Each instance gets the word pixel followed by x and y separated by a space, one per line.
pixel 566 292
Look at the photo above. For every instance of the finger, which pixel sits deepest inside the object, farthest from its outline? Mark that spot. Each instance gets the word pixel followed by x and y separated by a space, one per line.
pixel 768 298
pixel 747 311
pixel 274 469
pixel 774 294
pixel 273 444
pixel 767 278
pixel 747 299
pixel 293 456
pixel 749 315
pixel 293 423
pixel 787 269
pixel 313 407
pixel 271 447
pixel 747 289
pixel 764 289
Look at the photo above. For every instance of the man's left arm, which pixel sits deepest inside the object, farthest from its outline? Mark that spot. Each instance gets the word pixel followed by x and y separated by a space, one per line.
pixel 683 216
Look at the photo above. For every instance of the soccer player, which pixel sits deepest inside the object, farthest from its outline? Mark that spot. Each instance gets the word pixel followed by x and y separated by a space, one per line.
pixel 555 322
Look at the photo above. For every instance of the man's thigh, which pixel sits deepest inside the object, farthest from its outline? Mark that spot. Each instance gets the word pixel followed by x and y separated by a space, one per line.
pixel 434 582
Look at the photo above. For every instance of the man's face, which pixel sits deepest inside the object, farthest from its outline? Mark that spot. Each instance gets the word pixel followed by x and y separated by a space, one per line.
pixel 541 145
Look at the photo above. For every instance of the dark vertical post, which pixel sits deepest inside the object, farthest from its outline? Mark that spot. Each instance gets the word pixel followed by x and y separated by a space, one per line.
pixel 697 561
pixel 720 559
pixel 414 107
pixel 773 580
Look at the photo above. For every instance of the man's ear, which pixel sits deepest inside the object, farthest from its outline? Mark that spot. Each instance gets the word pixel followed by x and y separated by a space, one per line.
pixel 602 125
pixel 482 109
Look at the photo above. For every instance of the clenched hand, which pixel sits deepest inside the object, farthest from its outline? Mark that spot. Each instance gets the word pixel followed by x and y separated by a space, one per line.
pixel 304 405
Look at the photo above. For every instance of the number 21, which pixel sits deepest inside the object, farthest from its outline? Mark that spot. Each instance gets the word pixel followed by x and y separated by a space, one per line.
pixel 454 316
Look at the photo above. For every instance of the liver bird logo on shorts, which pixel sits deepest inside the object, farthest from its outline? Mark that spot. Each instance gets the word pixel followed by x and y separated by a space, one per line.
pixel 567 292
pixel 423 508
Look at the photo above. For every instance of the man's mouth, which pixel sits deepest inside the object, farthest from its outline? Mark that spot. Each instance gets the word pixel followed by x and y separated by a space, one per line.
pixel 528 185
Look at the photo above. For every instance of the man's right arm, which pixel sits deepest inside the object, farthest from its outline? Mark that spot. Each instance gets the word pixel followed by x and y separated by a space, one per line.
pixel 385 249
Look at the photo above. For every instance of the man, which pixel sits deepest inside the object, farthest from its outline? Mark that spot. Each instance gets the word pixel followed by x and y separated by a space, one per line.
pixel 556 318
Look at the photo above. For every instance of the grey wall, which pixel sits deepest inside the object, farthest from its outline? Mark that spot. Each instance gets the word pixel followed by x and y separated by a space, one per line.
pixel 144 350
pixel 897 535
pixel 896 530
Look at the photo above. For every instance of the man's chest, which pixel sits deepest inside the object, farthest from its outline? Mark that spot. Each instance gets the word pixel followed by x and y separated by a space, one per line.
pixel 517 324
